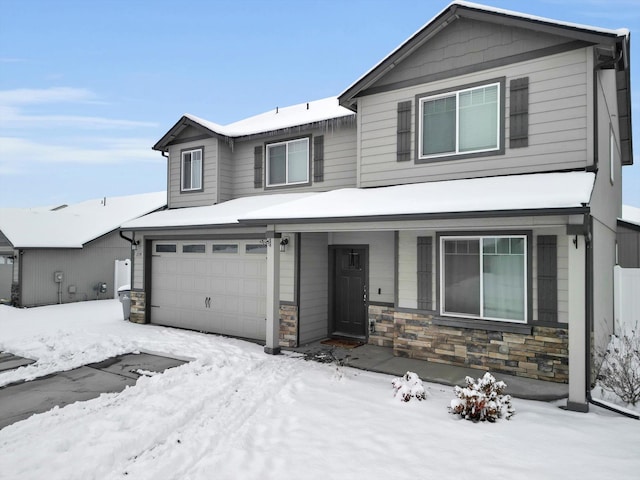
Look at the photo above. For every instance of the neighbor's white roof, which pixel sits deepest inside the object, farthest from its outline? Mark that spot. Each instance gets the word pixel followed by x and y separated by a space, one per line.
pixel 630 214
pixel 279 118
pixel 516 192
pixel 77 224
pixel 224 213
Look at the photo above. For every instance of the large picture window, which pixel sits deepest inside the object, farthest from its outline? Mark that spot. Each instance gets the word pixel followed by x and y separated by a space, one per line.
pixel 460 122
pixel 484 277
pixel 192 169
pixel 288 162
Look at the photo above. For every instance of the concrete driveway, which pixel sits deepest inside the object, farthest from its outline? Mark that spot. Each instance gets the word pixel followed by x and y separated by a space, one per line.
pixel 21 400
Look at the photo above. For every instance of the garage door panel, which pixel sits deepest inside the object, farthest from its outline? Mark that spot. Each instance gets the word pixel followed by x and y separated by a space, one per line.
pixel 235 283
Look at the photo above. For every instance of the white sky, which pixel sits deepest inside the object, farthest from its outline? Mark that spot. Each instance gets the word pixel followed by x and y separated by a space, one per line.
pixel 93 85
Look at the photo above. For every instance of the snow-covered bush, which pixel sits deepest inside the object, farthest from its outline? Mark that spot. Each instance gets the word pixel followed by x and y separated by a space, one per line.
pixel 408 386
pixel 620 369
pixel 482 400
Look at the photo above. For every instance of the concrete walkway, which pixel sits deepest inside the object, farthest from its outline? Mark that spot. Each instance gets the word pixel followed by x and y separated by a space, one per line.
pixel 382 360
pixel 21 400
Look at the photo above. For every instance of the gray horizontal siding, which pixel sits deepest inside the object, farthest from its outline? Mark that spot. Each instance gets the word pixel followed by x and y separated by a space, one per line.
pixel 339 163
pixel 558 125
pixel 84 268
pixel 314 296
pixel 209 195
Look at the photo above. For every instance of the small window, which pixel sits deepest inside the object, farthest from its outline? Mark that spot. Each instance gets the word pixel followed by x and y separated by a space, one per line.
pixel 166 248
pixel 288 162
pixel 226 248
pixel 466 121
pixel 194 248
pixel 256 248
pixel 192 170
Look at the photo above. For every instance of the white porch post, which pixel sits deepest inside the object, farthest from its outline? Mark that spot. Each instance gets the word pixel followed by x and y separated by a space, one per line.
pixel 578 333
pixel 273 294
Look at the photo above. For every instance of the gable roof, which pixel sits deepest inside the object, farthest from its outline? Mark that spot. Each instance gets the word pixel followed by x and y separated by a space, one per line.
pixel 619 38
pixel 309 113
pixel 75 225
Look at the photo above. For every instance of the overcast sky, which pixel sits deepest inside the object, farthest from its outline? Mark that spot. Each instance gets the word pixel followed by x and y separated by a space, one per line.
pixel 87 87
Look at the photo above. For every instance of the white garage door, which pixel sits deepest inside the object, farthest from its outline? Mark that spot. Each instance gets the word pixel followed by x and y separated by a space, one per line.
pixel 210 286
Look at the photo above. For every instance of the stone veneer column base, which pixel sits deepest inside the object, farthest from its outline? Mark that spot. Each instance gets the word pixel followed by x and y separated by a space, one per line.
pixel 288 326
pixel 138 301
pixel 542 355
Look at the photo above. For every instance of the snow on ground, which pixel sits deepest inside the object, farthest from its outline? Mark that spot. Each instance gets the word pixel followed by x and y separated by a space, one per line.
pixel 235 412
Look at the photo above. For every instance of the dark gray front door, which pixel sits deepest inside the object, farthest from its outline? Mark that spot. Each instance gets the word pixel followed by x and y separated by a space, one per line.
pixel 349 291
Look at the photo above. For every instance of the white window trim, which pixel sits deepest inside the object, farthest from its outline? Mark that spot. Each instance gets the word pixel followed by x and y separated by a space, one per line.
pixel 457 95
pixel 441 306
pixel 182 154
pixel 268 163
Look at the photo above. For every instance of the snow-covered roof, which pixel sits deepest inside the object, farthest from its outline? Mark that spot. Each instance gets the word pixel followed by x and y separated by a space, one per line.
pixel 279 118
pixel 631 214
pixel 75 225
pixel 225 213
pixel 458 8
pixel 507 193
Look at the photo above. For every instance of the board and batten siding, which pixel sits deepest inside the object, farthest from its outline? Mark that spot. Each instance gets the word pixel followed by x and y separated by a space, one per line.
pixel 209 193
pixel 381 261
pixel 560 115
pixel 314 295
pixel 408 274
pixel 339 162
pixel 83 268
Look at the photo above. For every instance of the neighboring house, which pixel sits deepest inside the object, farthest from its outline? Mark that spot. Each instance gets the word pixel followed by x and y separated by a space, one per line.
pixel 457 203
pixel 629 237
pixel 67 254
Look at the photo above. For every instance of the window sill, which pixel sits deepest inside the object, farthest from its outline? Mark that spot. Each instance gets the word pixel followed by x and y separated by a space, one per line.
pixel 488 325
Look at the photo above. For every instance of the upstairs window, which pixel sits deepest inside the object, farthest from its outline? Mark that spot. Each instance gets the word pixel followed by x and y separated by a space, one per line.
pixel 288 162
pixel 460 122
pixel 192 170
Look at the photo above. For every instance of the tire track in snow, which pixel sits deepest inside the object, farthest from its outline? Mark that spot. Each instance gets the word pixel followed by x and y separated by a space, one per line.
pixel 236 407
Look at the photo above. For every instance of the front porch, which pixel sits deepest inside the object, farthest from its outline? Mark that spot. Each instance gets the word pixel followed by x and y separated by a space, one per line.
pixel 382 360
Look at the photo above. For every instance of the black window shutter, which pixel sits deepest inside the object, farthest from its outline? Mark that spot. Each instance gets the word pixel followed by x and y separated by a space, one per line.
pixel 425 271
pixel 257 167
pixel 404 132
pixel 519 113
pixel 547 278
pixel 318 158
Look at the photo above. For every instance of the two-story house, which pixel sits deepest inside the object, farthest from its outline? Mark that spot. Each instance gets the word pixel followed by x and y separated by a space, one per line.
pixel 457 203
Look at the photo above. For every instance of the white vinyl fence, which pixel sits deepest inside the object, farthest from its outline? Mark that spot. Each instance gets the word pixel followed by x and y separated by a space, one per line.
pixel 122 275
pixel 627 297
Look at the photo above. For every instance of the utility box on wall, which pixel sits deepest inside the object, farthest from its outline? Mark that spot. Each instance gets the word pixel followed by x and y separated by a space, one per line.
pixel 58 277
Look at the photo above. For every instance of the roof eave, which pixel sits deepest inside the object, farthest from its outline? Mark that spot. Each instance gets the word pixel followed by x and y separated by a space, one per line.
pixel 161 145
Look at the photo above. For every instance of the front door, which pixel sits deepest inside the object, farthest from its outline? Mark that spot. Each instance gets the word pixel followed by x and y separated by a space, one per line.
pixel 349 291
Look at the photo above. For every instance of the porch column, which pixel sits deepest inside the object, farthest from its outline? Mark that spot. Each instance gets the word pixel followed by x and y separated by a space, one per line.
pixel 273 294
pixel 578 333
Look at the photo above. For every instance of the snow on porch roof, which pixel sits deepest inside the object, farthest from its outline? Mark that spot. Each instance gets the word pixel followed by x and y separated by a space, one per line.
pixel 508 193
pixel 630 214
pixel 77 224
pixel 225 213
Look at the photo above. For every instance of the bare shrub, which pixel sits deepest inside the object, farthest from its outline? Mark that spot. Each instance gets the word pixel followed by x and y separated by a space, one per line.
pixel 620 369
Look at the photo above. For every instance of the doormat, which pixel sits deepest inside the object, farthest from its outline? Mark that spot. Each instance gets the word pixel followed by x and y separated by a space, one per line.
pixel 342 343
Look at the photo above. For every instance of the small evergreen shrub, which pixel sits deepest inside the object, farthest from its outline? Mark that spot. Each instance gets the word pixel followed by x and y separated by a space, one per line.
pixel 620 368
pixel 408 386
pixel 482 400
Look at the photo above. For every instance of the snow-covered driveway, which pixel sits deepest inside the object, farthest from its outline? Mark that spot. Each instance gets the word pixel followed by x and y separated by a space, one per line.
pixel 235 412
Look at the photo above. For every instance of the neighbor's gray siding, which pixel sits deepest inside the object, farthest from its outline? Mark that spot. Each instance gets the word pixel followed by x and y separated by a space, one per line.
pixel 5 244
pixel 84 268
pixel 560 116
pixel 209 194
pixel 381 261
pixel 339 162
pixel 314 296
pixel 628 247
